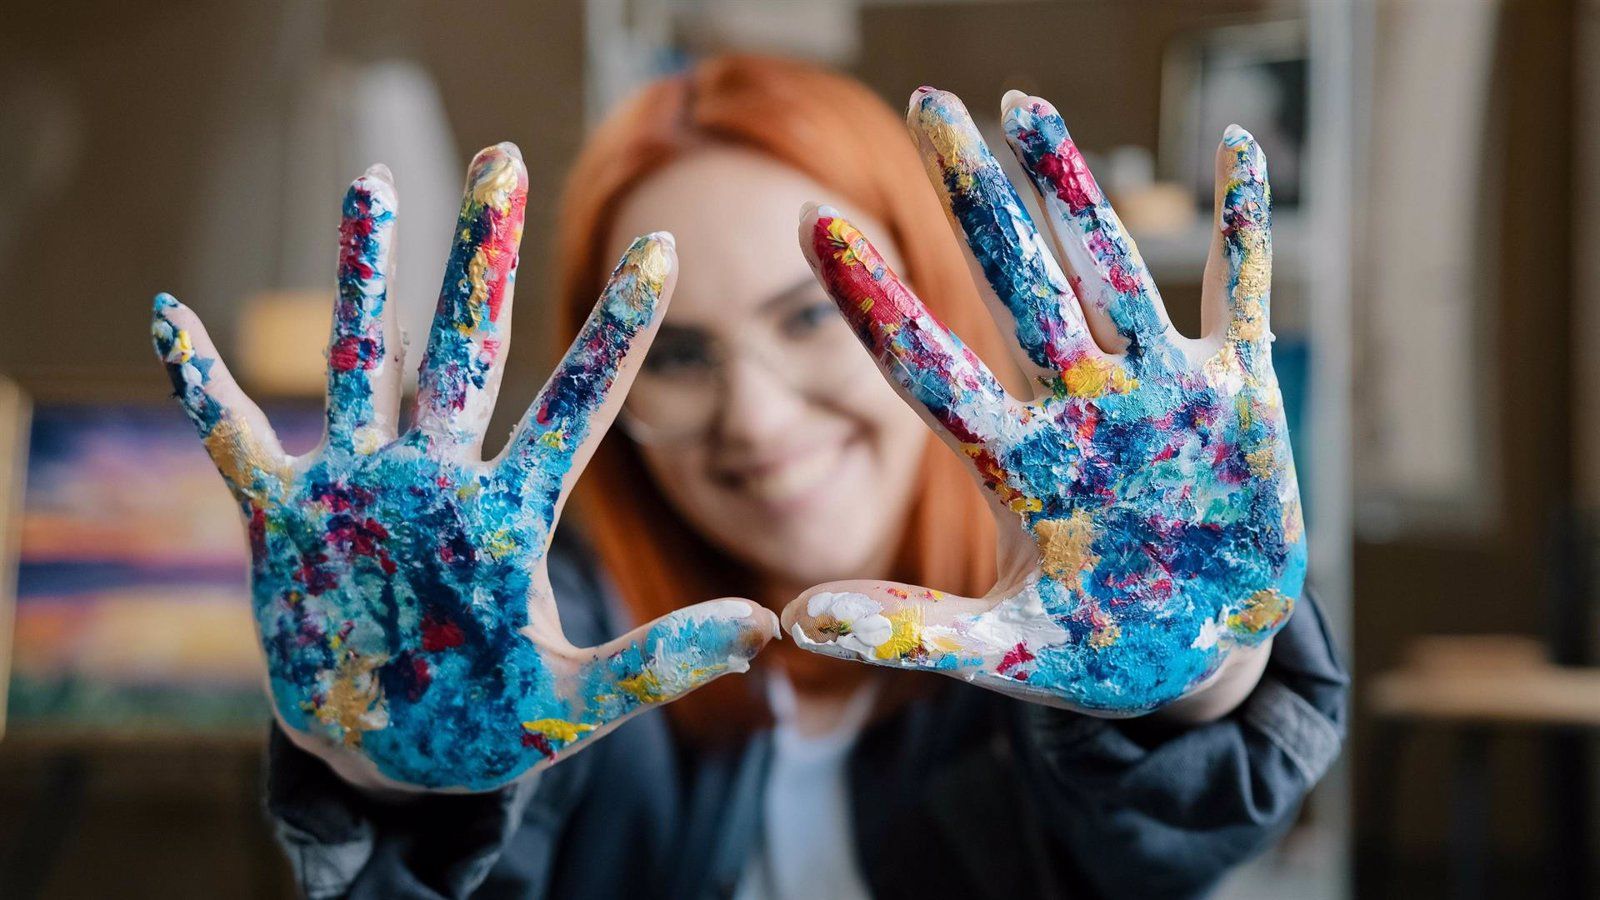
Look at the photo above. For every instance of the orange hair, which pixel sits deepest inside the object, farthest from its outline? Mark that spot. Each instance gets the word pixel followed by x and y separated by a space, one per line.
pixel 835 131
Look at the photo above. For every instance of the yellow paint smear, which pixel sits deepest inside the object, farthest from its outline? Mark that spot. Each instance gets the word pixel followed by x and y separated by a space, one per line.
pixel 906 636
pixel 1091 377
pixel 558 729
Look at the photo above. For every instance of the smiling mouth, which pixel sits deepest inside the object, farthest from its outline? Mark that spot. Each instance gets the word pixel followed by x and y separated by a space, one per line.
pixel 793 479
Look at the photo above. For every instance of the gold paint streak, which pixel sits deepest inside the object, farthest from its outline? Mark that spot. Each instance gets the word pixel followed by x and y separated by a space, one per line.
pixel 478 298
pixel 354 695
pixel 1263 610
pixel 652 265
pixel 239 457
pixel 494 184
pixel 1066 546
pixel 1250 290
pixel 1263 462
pixel 954 146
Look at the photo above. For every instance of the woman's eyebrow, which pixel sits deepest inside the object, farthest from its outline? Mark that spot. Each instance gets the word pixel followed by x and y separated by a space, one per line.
pixel 801 287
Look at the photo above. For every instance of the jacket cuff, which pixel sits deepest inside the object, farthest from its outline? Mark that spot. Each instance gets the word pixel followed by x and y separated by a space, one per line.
pixel 1294 726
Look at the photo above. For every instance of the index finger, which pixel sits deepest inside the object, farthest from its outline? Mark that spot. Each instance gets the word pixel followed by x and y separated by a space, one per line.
pixel 930 365
pixel 559 432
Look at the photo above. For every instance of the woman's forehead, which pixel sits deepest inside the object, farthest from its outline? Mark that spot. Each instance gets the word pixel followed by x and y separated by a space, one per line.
pixel 735 215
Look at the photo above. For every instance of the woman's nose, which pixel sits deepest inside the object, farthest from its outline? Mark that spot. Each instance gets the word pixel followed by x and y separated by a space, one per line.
pixel 757 404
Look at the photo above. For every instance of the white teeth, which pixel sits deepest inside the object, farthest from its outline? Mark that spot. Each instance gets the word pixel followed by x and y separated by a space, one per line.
pixel 795 477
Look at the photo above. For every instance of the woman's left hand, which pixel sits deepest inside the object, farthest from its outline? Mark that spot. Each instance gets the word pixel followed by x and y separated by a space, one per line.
pixel 1149 515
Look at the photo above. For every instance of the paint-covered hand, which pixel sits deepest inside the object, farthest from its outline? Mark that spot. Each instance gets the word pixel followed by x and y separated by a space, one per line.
pixel 1149 515
pixel 399 582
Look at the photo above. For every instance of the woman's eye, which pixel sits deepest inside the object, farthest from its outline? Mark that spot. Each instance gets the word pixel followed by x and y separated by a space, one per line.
pixel 808 319
pixel 679 356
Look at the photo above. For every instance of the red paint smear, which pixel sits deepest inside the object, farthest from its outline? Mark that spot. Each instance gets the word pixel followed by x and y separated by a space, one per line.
pixel 258 532
pixel 1122 280
pixel 500 250
pixel 865 280
pixel 1069 174
pixel 312 575
pixel 1014 657
pixel 538 742
pixel 891 302
pixel 351 353
pixel 438 635
pixel 354 233
pixel 1088 424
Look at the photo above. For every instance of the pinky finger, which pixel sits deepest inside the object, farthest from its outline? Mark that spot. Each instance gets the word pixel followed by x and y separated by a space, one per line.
pixel 234 430
pixel 1239 275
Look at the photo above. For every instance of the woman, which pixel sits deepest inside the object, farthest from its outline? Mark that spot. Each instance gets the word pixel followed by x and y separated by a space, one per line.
pixel 761 455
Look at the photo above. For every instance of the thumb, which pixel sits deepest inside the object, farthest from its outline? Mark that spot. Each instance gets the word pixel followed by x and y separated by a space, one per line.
pixel 891 624
pixel 683 650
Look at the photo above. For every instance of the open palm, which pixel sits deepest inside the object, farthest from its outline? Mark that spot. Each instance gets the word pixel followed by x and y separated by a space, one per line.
pixel 1149 513
pixel 399 582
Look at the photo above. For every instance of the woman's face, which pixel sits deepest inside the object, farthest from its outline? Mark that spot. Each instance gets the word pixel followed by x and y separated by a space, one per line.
pixel 759 416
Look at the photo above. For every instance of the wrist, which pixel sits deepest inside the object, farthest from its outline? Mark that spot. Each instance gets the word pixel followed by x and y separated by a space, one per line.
pixel 1224 691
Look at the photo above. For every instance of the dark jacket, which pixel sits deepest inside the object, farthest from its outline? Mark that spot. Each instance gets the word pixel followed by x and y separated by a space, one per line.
pixel 961 793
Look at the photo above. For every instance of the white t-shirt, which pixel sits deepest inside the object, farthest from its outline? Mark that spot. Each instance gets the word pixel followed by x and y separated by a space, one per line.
pixel 807 844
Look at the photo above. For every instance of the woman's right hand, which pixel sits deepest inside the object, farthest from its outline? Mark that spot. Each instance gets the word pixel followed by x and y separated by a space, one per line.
pixel 399 582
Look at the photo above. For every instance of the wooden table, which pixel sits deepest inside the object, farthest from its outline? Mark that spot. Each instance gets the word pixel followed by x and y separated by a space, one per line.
pixel 1476 687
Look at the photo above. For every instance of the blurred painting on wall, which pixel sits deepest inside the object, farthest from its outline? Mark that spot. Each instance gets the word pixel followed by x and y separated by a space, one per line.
pixel 133 611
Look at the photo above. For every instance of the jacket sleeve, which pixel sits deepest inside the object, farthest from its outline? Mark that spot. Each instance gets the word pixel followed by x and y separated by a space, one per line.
pixel 342 843
pixel 1149 811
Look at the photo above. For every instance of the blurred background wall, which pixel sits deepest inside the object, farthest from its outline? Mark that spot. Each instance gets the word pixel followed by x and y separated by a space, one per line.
pixel 1437 292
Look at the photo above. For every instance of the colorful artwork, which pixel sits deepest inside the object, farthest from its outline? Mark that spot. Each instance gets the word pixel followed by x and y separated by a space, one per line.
pixel 398 580
pixel 133 610
pixel 1148 496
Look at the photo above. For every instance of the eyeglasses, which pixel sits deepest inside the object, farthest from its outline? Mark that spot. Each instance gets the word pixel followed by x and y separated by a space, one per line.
pixel 680 391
